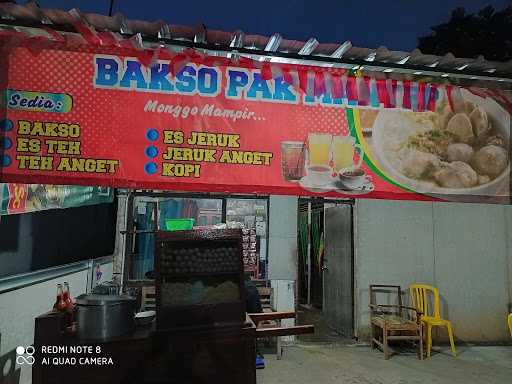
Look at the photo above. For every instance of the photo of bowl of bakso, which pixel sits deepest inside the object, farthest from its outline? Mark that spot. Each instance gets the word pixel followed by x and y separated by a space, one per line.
pixel 462 152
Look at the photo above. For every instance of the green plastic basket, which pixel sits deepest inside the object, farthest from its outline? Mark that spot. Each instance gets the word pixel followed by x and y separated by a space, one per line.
pixel 179 224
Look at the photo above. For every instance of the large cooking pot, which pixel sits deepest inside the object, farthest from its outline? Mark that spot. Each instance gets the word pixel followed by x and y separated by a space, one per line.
pixel 102 317
pixel 108 288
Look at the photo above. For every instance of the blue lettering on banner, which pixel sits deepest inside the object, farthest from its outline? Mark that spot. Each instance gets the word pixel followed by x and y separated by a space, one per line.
pixel 38 101
pixel 326 99
pixel 106 72
pixel 208 81
pixel 259 88
pixel 186 80
pixel 282 91
pixel 237 81
pixel 159 80
pixel 133 73
pixel 112 73
pixel 129 74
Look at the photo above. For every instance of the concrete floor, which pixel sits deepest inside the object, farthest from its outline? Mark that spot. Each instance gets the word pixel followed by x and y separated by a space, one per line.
pixel 352 364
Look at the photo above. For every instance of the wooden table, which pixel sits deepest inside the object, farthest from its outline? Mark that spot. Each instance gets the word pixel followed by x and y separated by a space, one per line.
pixel 223 354
pixel 195 355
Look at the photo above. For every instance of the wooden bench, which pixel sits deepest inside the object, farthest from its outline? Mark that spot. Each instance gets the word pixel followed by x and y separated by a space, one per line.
pixel 268 324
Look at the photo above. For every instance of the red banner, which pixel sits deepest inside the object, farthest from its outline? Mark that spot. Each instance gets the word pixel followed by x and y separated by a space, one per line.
pixel 78 117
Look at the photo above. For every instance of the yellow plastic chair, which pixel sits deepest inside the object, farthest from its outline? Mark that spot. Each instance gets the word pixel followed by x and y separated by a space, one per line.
pixel 420 294
pixel 510 323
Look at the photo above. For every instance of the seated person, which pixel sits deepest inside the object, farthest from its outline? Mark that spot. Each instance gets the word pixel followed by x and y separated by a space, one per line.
pixel 252 297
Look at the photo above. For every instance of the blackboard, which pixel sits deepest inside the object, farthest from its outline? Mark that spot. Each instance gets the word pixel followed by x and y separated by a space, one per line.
pixel 34 241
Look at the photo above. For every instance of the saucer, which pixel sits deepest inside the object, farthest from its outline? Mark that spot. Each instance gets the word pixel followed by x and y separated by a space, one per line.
pixel 366 187
pixel 308 185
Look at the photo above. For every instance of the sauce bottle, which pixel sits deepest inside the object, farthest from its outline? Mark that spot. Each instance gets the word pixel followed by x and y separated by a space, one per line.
pixel 70 305
pixel 67 298
pixel 60 303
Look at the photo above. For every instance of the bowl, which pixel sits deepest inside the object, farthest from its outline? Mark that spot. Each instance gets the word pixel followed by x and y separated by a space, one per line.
pixel 497 116
pixel 145 318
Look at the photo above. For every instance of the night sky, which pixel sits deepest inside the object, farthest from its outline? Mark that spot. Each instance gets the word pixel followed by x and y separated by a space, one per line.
pixel 395 24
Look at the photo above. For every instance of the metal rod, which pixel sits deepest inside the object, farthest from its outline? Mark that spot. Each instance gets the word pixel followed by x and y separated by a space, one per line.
pixel 127 239
pixel 15 282
pixel 224 207
pixel 196 195
pixel 138 231
pixel 309 253
pixel 111 6
pixel 328 200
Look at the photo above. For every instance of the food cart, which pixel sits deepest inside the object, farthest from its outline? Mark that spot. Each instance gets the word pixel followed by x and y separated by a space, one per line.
pixel 202 331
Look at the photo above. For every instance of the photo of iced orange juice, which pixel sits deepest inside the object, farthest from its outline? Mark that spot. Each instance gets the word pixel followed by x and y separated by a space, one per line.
pixel 319 149
pixel 343 149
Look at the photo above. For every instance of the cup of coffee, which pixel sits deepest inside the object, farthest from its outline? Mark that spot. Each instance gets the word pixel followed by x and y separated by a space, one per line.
pixel 353 177
pixel 319 174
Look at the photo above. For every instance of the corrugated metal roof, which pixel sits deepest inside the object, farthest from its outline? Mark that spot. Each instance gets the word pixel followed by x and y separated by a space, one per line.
pixel 31 14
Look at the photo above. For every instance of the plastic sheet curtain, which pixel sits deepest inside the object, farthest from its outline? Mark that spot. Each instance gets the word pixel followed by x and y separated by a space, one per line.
pixel 316 245
pixel 303 232
pixel 145 258
pixel 169 209
pixel 174 208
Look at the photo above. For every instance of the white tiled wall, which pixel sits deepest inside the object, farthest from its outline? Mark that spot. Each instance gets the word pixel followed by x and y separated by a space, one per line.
pixel 282 255
pixel 462 249
pixel 284 300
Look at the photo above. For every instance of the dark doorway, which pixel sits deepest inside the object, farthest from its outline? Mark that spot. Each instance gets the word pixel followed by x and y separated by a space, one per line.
pixel 326 267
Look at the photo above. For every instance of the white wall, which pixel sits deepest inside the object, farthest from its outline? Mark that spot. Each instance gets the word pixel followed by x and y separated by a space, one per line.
pixel 283 238
pixel 463 249
pixel 19 307
pixel 282 255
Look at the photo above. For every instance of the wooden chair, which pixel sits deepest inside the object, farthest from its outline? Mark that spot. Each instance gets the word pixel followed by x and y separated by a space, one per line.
pixel 148 300
pixel 393 321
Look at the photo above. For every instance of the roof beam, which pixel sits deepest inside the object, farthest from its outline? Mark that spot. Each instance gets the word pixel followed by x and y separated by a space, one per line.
pixel 164 32
pixel 237 40
pixel 200 34
pixel 309 47
pixel 273 43
pixel 341 50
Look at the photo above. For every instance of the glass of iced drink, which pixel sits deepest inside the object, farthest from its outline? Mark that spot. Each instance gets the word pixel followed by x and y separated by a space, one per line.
pixel 343 148
pixel 292 160
pixel 319 149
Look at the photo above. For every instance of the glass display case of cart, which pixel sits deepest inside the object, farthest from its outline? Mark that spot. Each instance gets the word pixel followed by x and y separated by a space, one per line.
pixel 199 278
pixel 250 252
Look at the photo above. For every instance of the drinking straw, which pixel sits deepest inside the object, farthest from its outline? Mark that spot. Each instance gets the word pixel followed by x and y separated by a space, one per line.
pixel 301 154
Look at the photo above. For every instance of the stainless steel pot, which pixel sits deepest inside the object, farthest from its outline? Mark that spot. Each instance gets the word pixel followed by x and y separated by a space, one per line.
pixel 108 288
pixel 102 317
